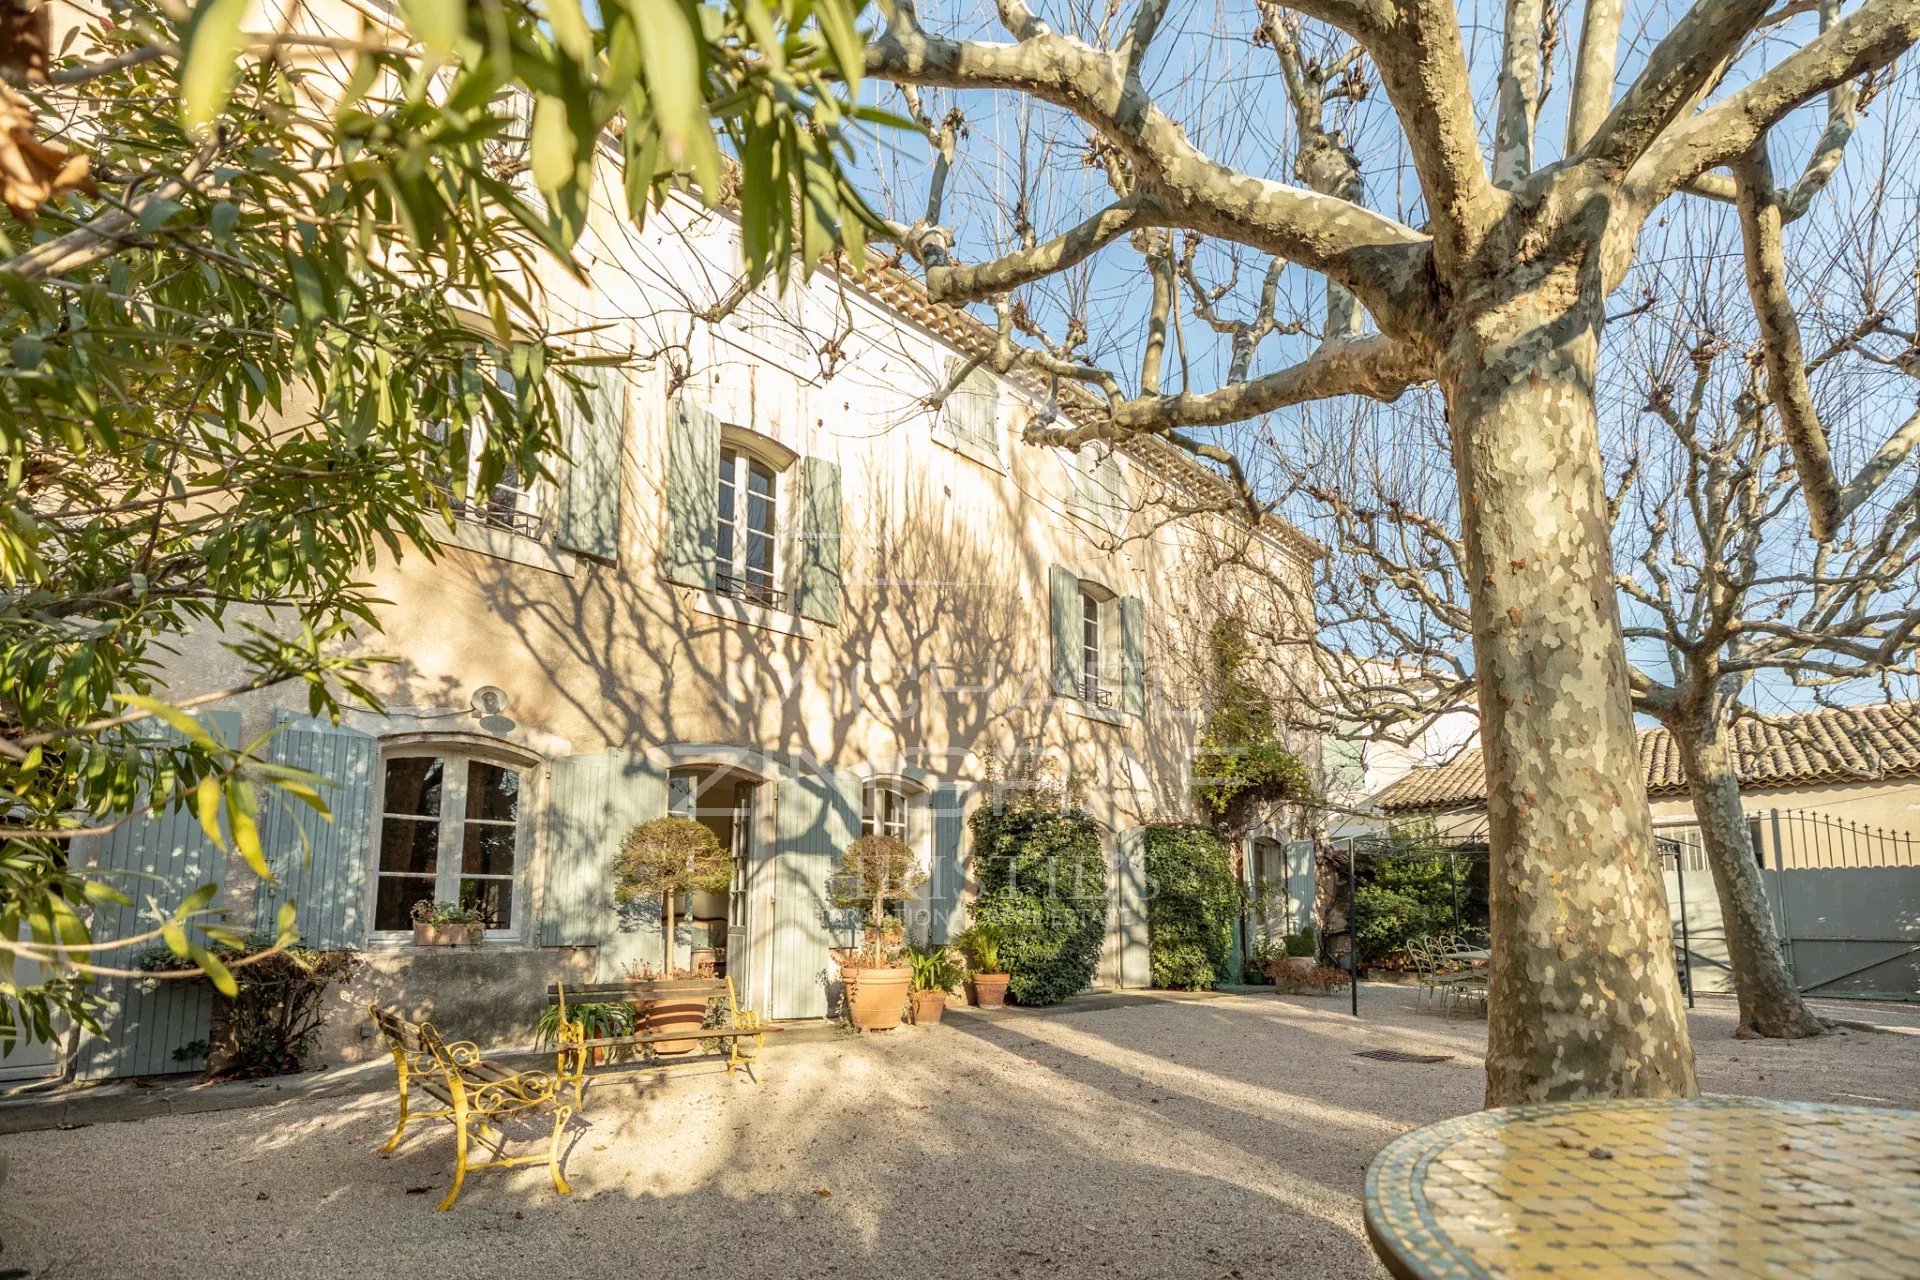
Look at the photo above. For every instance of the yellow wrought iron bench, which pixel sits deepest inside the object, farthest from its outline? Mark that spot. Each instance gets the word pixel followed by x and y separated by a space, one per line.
pixel 473 1093
pixel 668 1012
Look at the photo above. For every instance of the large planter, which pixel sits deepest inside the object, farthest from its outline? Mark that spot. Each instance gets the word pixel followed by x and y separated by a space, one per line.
pixel 673 1013
pixel 928 1006
pixel 989 990
pixel 447 935
pixel 877 997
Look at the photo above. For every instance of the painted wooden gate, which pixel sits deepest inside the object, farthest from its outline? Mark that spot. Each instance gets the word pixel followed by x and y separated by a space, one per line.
pixel 813 820
pixel 151 1026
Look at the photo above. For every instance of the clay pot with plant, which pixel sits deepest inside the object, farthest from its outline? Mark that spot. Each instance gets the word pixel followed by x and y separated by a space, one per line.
pixel 875 870
pixel 446 924
pixel 980 943
pixel 937 969
pixel 662 861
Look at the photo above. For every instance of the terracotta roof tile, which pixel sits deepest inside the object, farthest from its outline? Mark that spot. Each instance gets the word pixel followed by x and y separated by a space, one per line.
pixel 1839 744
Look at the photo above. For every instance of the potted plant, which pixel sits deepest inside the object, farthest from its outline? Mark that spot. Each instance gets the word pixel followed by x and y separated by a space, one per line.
pixel 660 862
pixel 446 924
pixel 1300 948
pixel 980 943
pixel 875 870
pixel 936 969
pixel 599 1020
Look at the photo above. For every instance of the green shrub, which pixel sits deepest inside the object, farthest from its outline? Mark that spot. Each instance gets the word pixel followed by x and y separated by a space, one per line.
pixel 1401 897
pixel 1301 943
pixel 267 1028
pixel 1043 885
pixel 1191 907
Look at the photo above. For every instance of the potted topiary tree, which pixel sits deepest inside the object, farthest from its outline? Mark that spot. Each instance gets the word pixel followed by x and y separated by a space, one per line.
pixel 668 858
pixel 876 870
pixel 980 943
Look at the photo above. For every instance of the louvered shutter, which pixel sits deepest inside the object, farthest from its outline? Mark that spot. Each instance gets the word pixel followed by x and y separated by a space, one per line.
pixel 592 802
pixel 1133 643
pixel 948 877
pixel 1067 652
pixel 820 542
pixel 321 864
pixel 590 515
pixel 693 494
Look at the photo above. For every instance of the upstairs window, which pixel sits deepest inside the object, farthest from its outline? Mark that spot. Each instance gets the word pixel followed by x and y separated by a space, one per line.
pixel 745 543
pixel 450 831
pixel 1096 681
pixel 513 502
pixel 970 415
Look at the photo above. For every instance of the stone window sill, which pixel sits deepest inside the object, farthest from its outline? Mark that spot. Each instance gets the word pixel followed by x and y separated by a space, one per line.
pixel 515 548
pixel 715 605
pixel 1087 711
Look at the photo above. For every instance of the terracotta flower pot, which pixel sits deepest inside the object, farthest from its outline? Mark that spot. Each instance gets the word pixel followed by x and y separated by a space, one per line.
pixel 877 997
pixel 989 990
pixel 927 1007
pixel 446 935
pixel 681 1013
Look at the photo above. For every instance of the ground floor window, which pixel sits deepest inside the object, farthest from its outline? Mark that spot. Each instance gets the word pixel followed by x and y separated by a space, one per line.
pixel 450 831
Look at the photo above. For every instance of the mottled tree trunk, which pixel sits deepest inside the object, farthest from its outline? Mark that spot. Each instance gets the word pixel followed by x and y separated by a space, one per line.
pixel 1770 1003
pixel 1585 1001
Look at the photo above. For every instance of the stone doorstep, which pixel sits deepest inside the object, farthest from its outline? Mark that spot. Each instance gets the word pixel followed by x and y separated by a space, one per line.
pixel 124 1101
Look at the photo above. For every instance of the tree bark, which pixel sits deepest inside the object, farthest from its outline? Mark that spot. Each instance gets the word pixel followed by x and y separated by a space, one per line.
pixel 1770 1002
pixel 1585 1001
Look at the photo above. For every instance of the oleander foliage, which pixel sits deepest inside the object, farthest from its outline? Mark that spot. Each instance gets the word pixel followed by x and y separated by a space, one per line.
pixel 269 305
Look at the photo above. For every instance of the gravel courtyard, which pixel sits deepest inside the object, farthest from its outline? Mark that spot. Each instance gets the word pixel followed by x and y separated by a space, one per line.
pixel 1212 1137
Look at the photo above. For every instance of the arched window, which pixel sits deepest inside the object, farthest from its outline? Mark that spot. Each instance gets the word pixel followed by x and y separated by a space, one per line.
pixel 451 830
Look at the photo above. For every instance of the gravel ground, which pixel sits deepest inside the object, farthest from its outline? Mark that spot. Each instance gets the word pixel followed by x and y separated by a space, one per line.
pixel 1130 1136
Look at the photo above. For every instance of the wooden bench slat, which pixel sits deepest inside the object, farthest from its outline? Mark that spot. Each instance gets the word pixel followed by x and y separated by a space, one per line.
pixel 704 1033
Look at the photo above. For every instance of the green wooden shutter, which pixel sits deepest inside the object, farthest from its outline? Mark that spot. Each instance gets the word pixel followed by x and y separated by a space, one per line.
pixel 590 513
pixel 1130 867
pixel 820 543
pixel 1133 644
pixel 321 866
pixel 1299 885
pixel 814 819
pixel 693 494
pixel 146 1023
pixel 592 802
pixel 1067 653
pixel 949 876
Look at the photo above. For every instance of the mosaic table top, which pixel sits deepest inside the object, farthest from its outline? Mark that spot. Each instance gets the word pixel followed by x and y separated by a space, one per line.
pixel 1709 1187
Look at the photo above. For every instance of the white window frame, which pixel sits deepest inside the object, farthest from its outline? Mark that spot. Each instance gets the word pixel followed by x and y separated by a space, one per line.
pixel 1099 633
pixel 737 466
pixel 447 860
pixel 913 823
pixel 531 512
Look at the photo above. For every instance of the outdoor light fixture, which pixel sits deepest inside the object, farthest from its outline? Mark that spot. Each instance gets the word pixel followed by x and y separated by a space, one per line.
pixel 489 700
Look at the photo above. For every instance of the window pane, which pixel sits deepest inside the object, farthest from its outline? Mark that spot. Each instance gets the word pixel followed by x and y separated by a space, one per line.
pixel 488 850
pixel 413 785
pixel 493 898
pixel 493 792
pixel 410 845
pixel 393 906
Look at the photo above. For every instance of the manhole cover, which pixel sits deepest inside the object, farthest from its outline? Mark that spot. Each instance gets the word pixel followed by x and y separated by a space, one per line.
pixel 1394 1055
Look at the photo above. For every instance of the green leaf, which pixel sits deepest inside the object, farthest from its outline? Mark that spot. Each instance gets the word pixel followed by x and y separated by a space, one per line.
pixel 207 798
pixel 672 61
pixel 192 729
pixel 213 41
pixel 246 832
pixel 551 144
pixel 154 213
pixel 570 29
pixel 437 24
pixel 217 973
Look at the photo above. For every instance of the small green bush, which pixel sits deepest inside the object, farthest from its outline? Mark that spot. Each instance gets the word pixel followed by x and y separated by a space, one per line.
pixel 1301 943
pixel 1043 885
pixel 1401 897
pixel 1191 907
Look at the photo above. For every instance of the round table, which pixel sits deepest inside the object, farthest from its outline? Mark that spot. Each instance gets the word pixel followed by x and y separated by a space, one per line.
pixel 1700 1188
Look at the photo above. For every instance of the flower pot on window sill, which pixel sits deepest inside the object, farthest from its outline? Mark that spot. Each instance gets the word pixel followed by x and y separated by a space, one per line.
pixel 447 935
